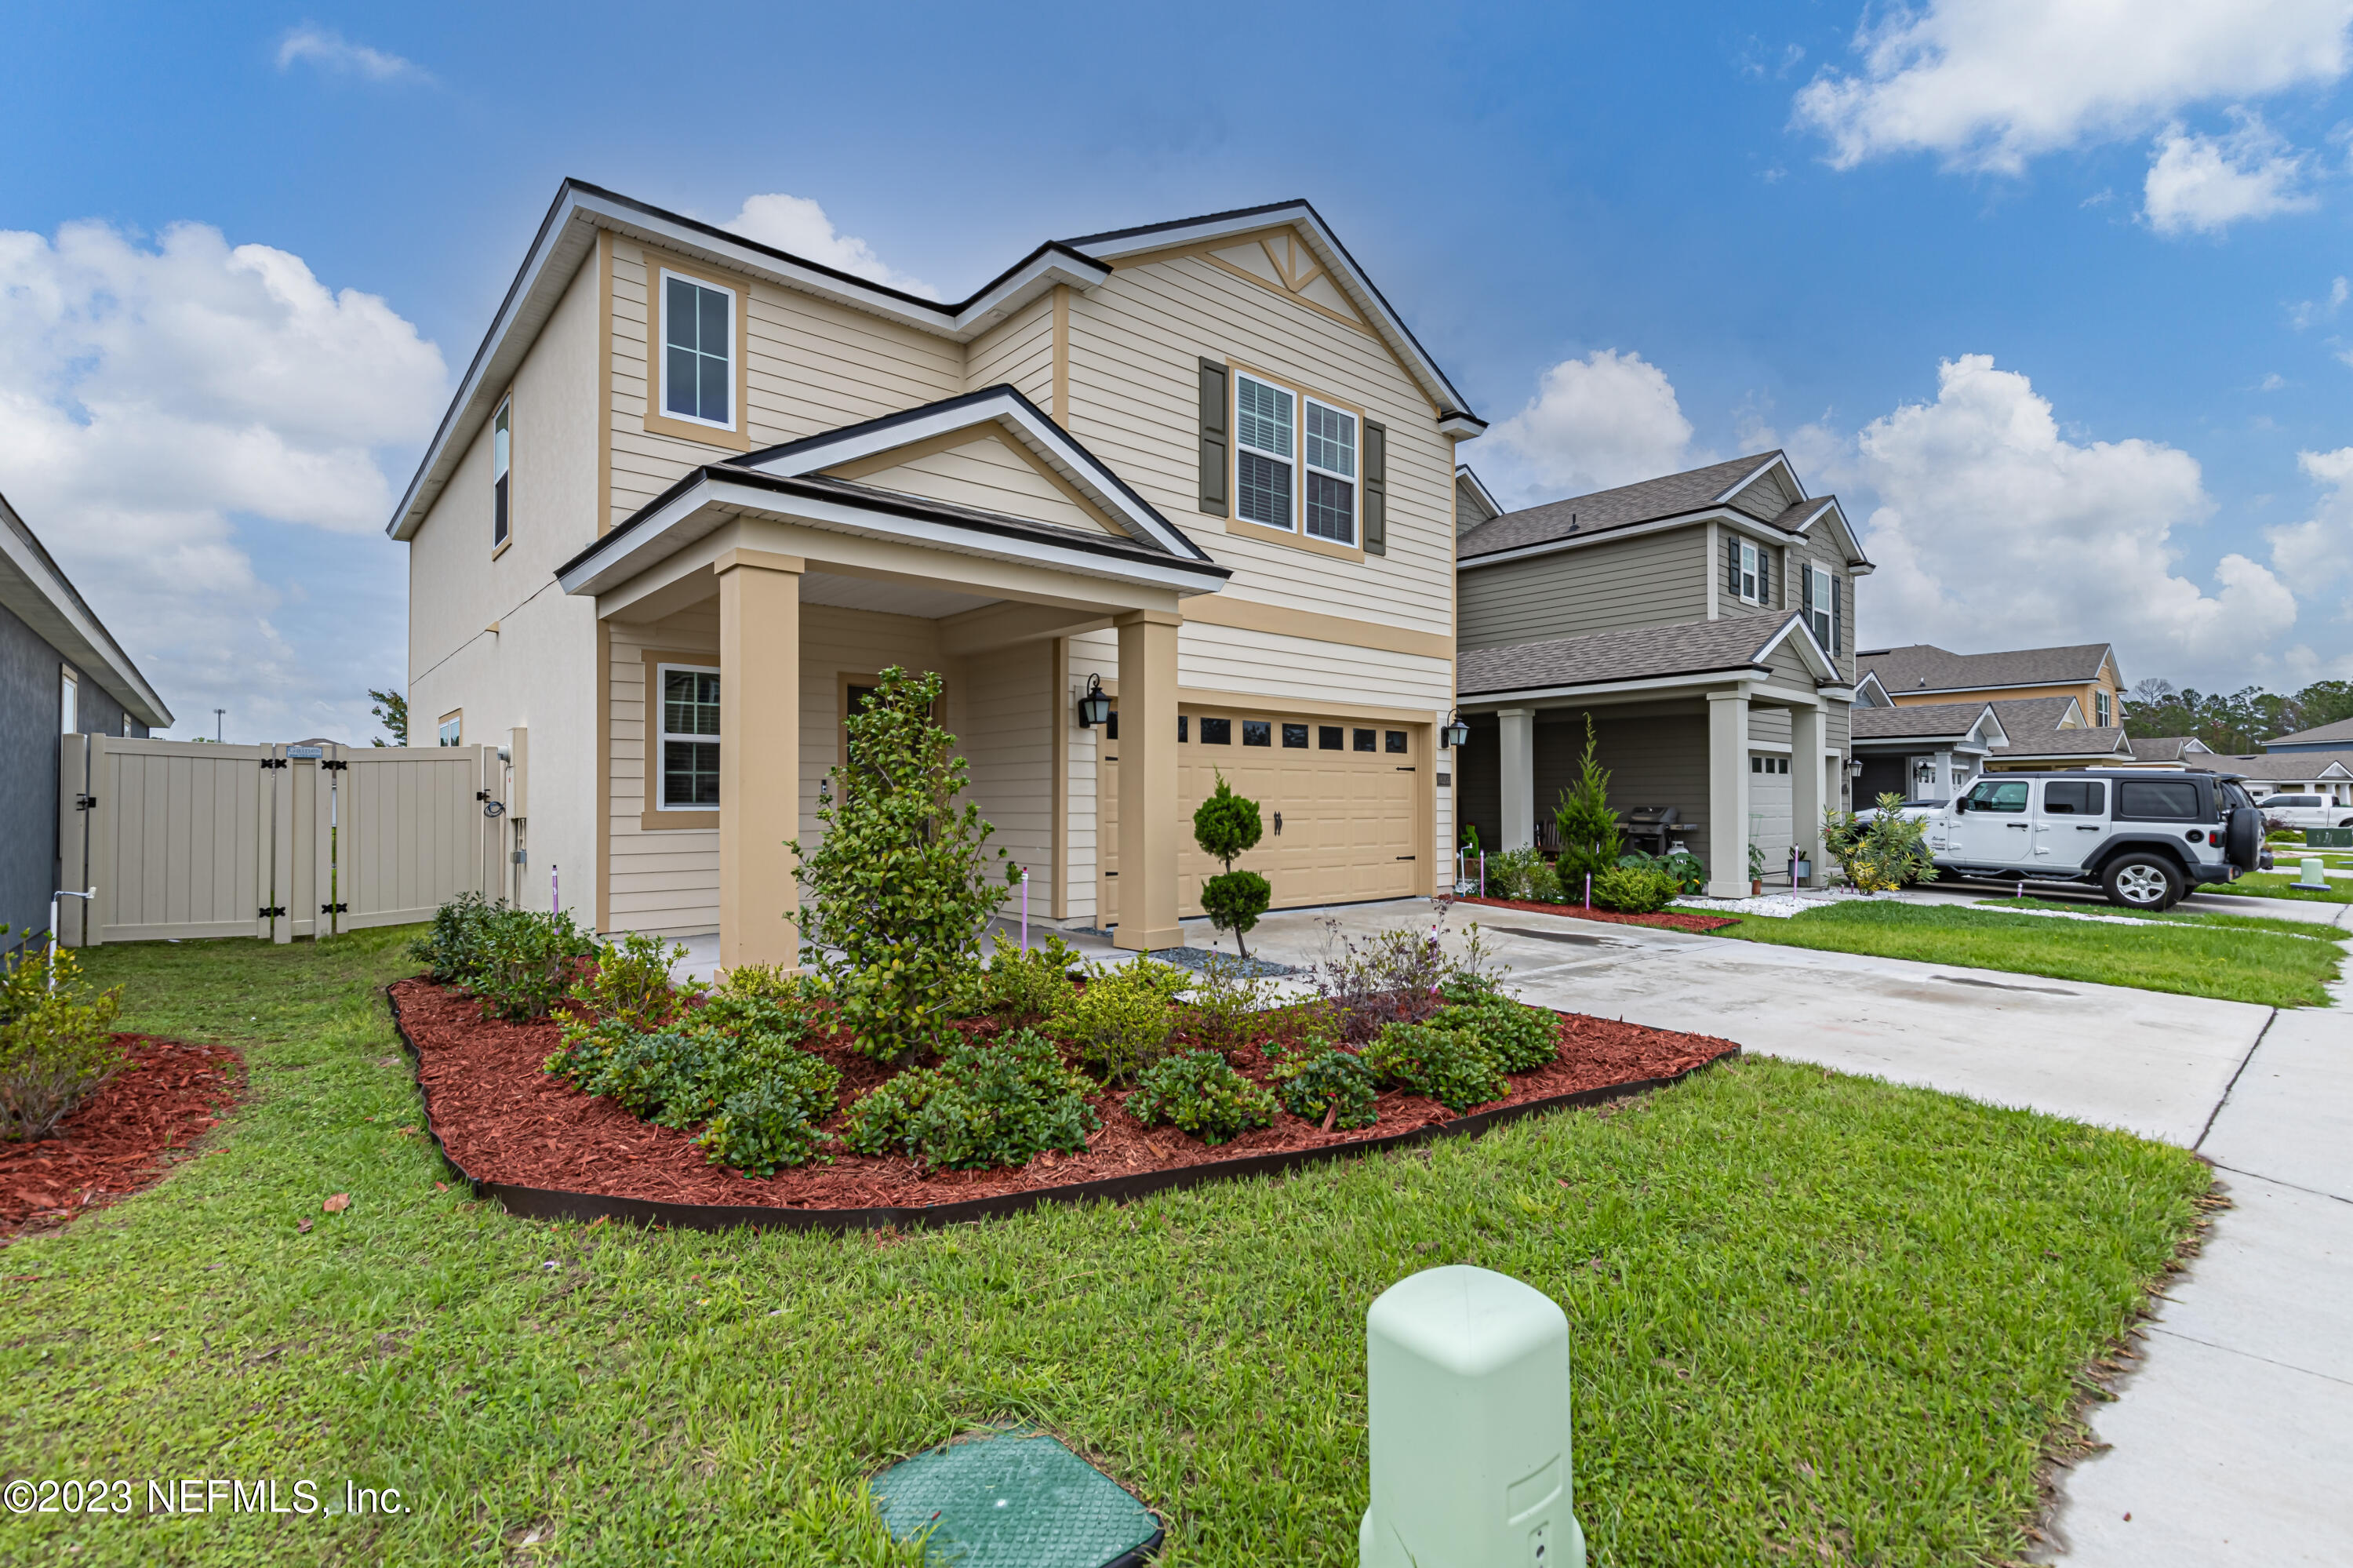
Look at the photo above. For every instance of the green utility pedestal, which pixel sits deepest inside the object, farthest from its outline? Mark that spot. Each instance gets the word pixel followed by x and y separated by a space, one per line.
pixel 1467 1381
pixel 1015 1498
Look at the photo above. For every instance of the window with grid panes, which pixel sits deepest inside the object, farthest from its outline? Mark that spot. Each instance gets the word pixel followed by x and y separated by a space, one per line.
pixel 690 739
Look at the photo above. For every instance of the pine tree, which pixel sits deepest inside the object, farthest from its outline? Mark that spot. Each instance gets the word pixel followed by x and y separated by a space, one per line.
pixel 1590 840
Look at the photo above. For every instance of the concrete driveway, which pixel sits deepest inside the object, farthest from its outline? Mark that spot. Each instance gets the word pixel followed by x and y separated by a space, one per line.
pixel 2233 1442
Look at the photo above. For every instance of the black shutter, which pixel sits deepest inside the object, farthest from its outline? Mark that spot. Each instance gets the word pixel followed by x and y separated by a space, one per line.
pixel 1764 576
pixel 1806 593
pixel 1213 437
pixel 1376 488
pixel 1834 614
pixel 1732 565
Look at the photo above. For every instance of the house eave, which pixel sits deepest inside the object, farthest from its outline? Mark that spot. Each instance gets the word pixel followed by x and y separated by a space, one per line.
pixel 1728 516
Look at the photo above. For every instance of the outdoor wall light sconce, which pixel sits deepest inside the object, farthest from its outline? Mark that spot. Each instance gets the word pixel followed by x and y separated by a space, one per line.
pixel 1095 709
pixel 1454 732
pixel 1854 769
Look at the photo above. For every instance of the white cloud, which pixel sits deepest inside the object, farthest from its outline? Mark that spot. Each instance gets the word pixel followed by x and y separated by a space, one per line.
pixel 800 226
pixel 2273 381
pixel 2311 310
pixel 167 405
pixel 2204 184
pixel 2317 552
pixel 1994 530
pixel 1989 84
pixel 1607 419
pixel 329 50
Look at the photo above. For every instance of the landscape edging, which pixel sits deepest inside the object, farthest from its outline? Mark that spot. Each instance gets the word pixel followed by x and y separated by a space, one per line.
pixel 547 1204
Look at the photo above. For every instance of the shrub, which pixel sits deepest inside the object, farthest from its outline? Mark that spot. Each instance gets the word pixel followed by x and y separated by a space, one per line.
pixel 773 981
pixel 988 1103
pixel 56 1041
pixel 1519 1038
pixel 1881 853
pixel 1227 826
pixel 632 982
pixel 1199 1092
pixel 1475 975
pixel 519 962
pixel 1634 889
pixel 1331 1083
pixel 1545 885
pixel 1451 1067
pixel 1590 840
pixel 1511 873
pixel 1689 875
pixel 1224 1004
pixel 1394 974
pixel 898 896
pixel 1025 985
pixel 451 943
pixel 1122 1021
pixel 734 1063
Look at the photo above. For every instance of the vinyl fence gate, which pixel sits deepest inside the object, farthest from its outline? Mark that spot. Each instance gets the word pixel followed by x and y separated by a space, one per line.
pixel 185 839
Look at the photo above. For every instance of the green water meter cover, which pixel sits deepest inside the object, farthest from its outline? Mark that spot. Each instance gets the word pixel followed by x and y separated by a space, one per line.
pixel 1015 1498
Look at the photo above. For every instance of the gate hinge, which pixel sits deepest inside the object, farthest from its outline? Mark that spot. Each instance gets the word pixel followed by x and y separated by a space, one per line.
pixel 270 911
pixel 85 802
pixel 270 762
pixel 335 766
pixel 334 908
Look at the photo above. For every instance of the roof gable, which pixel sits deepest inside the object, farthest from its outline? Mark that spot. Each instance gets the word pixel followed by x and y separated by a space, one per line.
pixel 1001 412
pixel 983 467
pixel 1923 667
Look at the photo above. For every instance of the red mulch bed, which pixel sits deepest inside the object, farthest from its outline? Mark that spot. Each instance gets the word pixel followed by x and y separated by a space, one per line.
pixel 125 1136
pixel 504 1120
pixel 1667 918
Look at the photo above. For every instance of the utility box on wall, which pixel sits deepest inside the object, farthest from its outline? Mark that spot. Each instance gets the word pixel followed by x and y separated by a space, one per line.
pixel 1467 1385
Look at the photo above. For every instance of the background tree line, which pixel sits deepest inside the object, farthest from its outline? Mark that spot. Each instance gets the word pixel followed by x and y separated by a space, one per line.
pixel 2236 722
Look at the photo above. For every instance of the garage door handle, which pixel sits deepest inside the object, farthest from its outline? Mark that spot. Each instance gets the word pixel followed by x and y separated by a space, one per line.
pixel 1404 857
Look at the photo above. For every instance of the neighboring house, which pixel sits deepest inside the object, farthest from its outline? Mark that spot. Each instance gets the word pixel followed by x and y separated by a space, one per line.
pixel 1703 620
pixel 694 492
pixel 2049 733
pixel 1922 751
pixel 1473 502
pixel 2169 751
pixel 61 673
pixel 2326 773
pixel 1920 672
pixel 2337 737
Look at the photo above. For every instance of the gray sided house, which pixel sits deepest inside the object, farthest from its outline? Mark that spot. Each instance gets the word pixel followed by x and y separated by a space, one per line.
pixel 1703 620
pixel 2337 737
pixel 60 674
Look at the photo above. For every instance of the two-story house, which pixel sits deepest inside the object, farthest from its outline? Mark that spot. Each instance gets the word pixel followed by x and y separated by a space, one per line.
pixel 1921 673
pixel 1703 620
pixel 693 493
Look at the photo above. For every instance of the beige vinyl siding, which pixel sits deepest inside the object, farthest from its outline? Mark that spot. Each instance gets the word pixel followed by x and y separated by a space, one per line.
pixel 1660 579
pixel 1136 343
pixel 812 366
pixel 1008 713
pixel 665 881
pixel 1304 670
pixel 1018 351
pixel 986 473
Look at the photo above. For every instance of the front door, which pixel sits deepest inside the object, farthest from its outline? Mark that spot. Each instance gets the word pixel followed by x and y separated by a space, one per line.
pixel 2071 820
pixel 1994 828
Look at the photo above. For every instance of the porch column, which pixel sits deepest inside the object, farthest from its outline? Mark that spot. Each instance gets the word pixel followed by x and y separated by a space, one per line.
pixel 1944 785
pixel 1806 731
pixel 759 756
pixel 1727 793
pixel 1518 762
pixel 1150 828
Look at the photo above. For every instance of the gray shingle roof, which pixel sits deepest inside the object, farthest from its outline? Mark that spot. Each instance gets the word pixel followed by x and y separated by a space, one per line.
pixel 2031 718
pixel 1917 722
pixel 2165 748
pixel 2093 741
pixel 2283 767
pixel 1667 496
pixel 2341 730
pixel 1923 667
pixel 1691 648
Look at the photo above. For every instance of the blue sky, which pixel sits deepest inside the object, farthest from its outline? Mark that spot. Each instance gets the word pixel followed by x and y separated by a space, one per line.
pixel 2058 311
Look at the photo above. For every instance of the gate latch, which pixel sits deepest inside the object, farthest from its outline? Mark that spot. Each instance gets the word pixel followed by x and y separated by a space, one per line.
pixel 85 802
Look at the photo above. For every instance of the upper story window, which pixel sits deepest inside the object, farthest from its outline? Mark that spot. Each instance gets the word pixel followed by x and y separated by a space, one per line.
pixel 1330 473
pixel 1818 599
pixel 1748 569
pixel 1265 430
pixel 2100 703
pixel 690 739
pixel 68 704
pixel 698 363
pixel 501 460
pixel 453 728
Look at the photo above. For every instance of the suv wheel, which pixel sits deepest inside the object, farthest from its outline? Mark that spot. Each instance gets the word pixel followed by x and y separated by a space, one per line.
pixel 2142 882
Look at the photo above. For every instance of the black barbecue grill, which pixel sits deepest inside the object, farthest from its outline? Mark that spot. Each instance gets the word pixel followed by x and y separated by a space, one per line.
pixel 1650 827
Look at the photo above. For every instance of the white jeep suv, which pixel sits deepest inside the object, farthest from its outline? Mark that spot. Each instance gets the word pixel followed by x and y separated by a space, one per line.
pixel 2145 838
pixel 2306 811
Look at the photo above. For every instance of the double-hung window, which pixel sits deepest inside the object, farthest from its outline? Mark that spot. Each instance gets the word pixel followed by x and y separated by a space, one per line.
pixel 1751 573
pixel 1818 599
pixel 697 365
pixel 2100 703
pixel 1330 473
pixel 452 731
pixel 1264 426
pixel 501 460
pixel 690 739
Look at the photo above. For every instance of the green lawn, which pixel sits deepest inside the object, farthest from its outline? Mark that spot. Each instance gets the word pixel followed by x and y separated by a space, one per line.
pixel 2179 915
pixel 2235 959
pixel 2275 885
pixel 1815 1319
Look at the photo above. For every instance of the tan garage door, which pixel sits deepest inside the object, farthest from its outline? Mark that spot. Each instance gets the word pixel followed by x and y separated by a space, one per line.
pixel 1346 793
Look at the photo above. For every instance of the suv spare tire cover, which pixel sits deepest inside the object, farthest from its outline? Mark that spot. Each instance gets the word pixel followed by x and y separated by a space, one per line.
pixel 2244 842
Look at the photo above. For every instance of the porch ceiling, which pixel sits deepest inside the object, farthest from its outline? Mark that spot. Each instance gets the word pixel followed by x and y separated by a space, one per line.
pixel 889 598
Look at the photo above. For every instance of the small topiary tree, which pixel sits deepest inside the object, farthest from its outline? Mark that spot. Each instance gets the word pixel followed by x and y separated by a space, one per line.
pixel 899 893
pixel 1590 840
pixel 1227 826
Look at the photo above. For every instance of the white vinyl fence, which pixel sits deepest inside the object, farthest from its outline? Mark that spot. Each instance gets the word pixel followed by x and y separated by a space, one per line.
pixel 186 839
